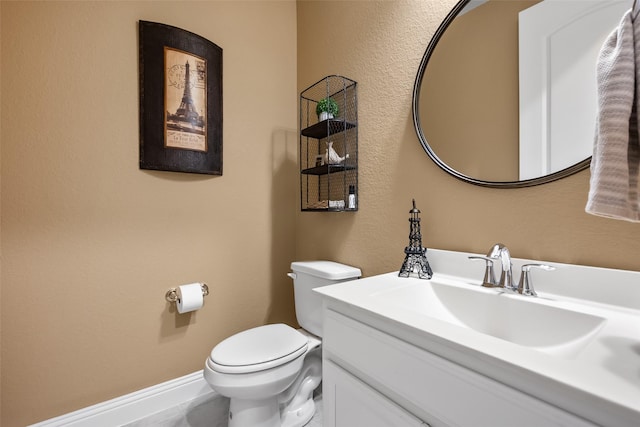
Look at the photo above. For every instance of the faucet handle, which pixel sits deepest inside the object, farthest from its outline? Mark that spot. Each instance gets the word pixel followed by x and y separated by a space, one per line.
pixel 489 279
pixel 525 286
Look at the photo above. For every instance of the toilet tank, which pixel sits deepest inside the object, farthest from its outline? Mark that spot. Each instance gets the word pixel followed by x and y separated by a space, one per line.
pixel 314 274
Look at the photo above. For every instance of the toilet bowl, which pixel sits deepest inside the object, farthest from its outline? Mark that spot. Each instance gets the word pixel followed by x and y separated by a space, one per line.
pixel 261 383
pixel 270 372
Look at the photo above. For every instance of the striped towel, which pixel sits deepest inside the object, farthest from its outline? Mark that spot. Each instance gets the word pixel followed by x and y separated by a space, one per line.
pixel 615 163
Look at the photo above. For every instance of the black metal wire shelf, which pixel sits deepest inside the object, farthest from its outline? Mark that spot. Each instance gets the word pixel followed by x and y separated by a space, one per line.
pixel 329 148
pixel 327 127
pixel 329 209
pixel 325 169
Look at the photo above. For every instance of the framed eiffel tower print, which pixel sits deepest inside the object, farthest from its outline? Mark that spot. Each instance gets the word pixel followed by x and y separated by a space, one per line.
pixel 180 100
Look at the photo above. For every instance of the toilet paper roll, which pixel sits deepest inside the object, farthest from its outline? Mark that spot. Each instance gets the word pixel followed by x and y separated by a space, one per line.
pixel 190 297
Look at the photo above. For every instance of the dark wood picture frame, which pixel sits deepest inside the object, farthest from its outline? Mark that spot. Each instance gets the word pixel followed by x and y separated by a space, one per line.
pixel 180 100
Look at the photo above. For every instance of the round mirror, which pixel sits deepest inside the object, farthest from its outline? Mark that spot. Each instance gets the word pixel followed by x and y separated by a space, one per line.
pixel 505 95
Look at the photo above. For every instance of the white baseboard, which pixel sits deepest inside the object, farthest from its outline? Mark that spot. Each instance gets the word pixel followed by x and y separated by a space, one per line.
pixel 134 406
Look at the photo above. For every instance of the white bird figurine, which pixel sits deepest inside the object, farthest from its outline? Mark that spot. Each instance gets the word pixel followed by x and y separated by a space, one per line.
pixel 332 157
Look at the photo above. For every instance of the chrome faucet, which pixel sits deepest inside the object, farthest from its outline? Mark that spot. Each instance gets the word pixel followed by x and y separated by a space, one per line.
pixel 506 278
pixel 501 252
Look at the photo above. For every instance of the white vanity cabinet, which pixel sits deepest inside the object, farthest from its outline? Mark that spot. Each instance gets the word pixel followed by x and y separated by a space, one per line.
pixel 372 379
pixel 348 402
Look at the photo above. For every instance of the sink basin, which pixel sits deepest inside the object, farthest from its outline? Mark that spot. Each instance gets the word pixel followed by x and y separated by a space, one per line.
pixel 526 321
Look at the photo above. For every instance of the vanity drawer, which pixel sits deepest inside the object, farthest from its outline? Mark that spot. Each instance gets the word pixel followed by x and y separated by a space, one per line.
pixel 435 389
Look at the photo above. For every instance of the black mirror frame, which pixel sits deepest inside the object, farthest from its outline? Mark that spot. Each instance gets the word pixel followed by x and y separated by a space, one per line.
pixel 425 145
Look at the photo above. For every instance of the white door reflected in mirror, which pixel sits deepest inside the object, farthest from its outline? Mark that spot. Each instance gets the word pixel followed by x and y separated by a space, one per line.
pixel 559 43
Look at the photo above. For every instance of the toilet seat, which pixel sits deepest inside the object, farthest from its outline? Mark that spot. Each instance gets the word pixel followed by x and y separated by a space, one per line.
pixel 258 349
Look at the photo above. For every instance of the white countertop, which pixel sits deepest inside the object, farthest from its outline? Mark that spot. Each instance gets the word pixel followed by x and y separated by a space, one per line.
pixel 600 383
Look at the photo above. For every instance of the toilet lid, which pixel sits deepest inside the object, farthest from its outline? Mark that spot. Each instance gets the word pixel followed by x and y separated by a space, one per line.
pixel 258 349
pixel 326 269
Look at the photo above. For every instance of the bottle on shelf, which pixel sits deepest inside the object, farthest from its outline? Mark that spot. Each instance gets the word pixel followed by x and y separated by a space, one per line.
pixel 352 197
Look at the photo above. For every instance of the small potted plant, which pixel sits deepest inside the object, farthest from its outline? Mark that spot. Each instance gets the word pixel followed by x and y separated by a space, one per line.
pixel 327 108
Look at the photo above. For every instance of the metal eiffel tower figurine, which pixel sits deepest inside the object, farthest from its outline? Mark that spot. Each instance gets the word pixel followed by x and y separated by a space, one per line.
pixel 415 260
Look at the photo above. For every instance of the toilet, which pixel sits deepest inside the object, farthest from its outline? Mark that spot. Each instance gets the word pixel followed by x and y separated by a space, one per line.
pixel 270 372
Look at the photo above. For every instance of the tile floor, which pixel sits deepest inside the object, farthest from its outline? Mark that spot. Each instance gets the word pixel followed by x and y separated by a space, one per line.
pixel 210 410
pixel 316 421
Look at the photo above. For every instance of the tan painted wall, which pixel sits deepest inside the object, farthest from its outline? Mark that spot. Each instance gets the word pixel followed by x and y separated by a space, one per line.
pixel 0 217
pixel 380 45
pixel 91 243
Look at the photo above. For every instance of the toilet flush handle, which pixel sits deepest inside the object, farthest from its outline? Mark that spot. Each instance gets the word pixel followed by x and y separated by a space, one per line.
pixel 292 275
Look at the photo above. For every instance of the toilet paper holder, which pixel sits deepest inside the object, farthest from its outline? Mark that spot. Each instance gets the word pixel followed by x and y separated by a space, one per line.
pixel 172 294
